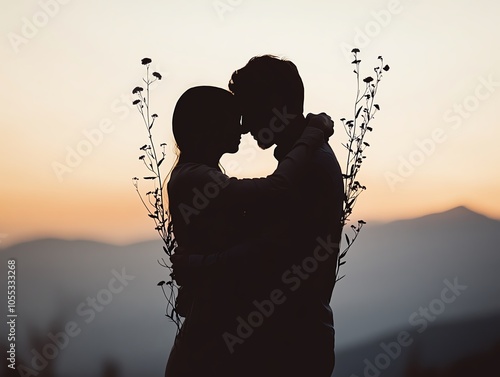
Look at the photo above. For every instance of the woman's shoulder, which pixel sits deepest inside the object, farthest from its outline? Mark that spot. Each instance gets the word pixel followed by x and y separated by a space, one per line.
pixel 192 169
pixel 190 173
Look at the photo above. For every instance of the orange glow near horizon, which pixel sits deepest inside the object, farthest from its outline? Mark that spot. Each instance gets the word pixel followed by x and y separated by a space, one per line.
pixel 122 219
pixel 67 102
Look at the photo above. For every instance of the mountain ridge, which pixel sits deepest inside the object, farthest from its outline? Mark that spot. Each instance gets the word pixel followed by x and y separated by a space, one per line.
pixel 392 271
pixel 455 213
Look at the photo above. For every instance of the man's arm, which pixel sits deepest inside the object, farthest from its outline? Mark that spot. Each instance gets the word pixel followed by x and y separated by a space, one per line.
pixel 190 268
pixel 288 173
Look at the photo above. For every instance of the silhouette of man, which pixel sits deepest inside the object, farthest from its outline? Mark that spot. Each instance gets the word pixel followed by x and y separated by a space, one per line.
pixel 286 267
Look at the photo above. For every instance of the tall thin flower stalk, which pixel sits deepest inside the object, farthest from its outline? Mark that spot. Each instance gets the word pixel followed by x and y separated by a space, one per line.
pixel 153 156
pixel 356 128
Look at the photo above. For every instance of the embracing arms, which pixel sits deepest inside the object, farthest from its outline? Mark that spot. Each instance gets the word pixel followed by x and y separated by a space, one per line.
pixel 189 268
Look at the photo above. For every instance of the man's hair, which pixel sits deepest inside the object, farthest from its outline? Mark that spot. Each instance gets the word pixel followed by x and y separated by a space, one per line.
pixel 270 76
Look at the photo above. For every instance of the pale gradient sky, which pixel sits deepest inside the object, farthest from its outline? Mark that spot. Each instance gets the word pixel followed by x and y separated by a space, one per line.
pixel 65 72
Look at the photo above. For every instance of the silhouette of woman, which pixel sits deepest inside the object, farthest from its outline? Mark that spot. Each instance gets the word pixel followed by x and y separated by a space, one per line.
pixel 208 214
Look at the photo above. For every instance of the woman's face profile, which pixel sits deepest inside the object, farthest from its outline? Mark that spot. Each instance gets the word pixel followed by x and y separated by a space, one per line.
pixel 230 137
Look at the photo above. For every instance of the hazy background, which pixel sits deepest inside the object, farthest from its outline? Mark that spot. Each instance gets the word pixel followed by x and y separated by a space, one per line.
pixel 395 276
pixel 68 67
pixel 77 68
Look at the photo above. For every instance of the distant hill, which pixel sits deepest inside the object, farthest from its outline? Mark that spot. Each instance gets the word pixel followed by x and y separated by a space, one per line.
pixel 440 348
pixel 56 276
pixel 392 271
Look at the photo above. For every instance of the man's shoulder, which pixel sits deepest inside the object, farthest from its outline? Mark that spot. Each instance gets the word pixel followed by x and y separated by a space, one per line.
pixel 325 158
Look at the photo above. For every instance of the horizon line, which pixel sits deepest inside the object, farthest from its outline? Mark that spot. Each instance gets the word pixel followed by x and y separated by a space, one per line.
pixel 153 239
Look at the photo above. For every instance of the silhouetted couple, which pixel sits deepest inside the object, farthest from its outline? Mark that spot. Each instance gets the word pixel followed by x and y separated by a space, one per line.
pixel 257 257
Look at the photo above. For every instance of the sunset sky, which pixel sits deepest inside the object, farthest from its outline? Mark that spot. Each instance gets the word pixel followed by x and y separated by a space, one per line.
pixel 68 67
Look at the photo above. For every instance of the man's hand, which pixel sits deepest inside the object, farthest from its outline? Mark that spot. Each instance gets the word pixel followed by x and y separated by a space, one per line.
pixel 322 121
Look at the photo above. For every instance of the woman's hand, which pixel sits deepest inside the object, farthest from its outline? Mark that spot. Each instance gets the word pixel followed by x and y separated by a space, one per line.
pixel 186 269
pixel 180 268
pixel 321 121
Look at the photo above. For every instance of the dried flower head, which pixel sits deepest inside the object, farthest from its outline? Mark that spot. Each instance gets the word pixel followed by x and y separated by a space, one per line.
pixel 137 89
